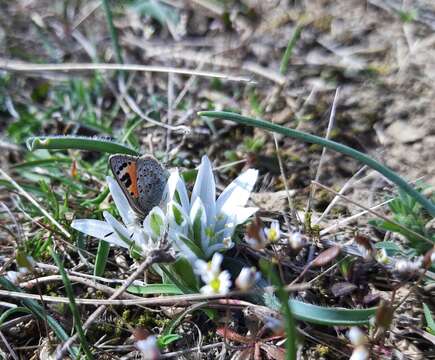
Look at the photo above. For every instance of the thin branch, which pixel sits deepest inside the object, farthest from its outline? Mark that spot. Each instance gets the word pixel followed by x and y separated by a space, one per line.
pixel 374 213
pixel 322 157
pixel 35 203
pixel 12 65
pixel 154 257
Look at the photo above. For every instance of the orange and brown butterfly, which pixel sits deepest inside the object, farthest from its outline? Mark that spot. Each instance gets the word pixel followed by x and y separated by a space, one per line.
pixel 142 179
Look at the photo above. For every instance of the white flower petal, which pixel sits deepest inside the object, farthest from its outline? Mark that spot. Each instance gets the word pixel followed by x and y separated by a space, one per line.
pixel 356 336
pixel 125 235
pixel 98 229
pixel 225 282
pixel 243 213
pixel 176 184
pixel 215 264
pixel 154 223
pixel 127 214
pixel 207 290
pixel 13 276
pixel 198 213
pixel 205 189
pixel 246 278
pixel 149 348
pixel 214 249
pixel 237 193
pixel 184 249
pixel 177 218
pixel 360 353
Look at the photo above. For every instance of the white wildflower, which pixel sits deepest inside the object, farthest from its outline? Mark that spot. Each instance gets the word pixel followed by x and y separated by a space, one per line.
pixel 210 222
pixel 360 353
pixel 276 325
pixel 129 233
pixel 382 257
pixel 149 348
pixel 408 267
pixel 218 285
pixel 198 227
pixel 273 233
pixel 296 240
pixel 356 336
pixel 247 278
pixel 209 270
pixel 255 235
pixel 13 276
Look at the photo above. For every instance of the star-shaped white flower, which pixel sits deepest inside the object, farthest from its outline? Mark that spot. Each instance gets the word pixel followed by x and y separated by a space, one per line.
pixel 129 233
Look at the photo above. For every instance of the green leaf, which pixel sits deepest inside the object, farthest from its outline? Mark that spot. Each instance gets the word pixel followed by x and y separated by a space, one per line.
pixel 429 319
pixel 101 258
pixel 163 13
pixel 151 289
pixel 73 306
pixel 9 312
pixel 289 50
pixel 178 216
pixel 192 246
pixel 156 223
pixel 183 268
pixel 39 312
pixel 164 340
pixel 286 310
pixel 330 316
pixel 390 246
pixel 78 142
pixel 343 149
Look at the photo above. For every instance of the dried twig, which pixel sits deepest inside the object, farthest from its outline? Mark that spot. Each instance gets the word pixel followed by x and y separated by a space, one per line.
pixel 12 65
pixel 161 255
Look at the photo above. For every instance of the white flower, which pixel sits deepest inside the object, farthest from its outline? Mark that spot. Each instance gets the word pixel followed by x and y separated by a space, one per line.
pixel 276 325
pixel 128 234
pixel 255 235
pixel 216 281
pixel 296 241
pixel 356 336
pixel 209 270
pixel 382 257
pixel 408 267
pixel 13 276
pixel 247 278
pixel 217 285
pixel 273 233
pixel 198 227
pixel 149 348
pixel 360 353
pixel 203 225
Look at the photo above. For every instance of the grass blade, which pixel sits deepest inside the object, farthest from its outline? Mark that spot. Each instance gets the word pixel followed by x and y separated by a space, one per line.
pixel 36 309
pixel 101 258
pixel 289 323
pixel 9 312
pixel 330 316
pixel 73 306
pixel 385 171
pixel 78 142
pixel 151 289
pixel 429 319
pixel 113 33
pixel 289 50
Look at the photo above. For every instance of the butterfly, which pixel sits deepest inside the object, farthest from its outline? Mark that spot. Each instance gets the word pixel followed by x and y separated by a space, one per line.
pixel 142 179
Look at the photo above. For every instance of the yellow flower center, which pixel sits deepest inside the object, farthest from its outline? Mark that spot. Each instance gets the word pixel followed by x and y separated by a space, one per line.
pixel 272 235
pixel 215 284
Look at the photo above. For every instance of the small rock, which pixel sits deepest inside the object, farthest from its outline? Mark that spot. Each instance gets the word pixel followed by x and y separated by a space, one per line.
pixel 405 133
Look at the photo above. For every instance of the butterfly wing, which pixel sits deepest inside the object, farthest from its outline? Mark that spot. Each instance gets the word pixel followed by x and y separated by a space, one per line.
pixel 152 178
pixel 124 168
